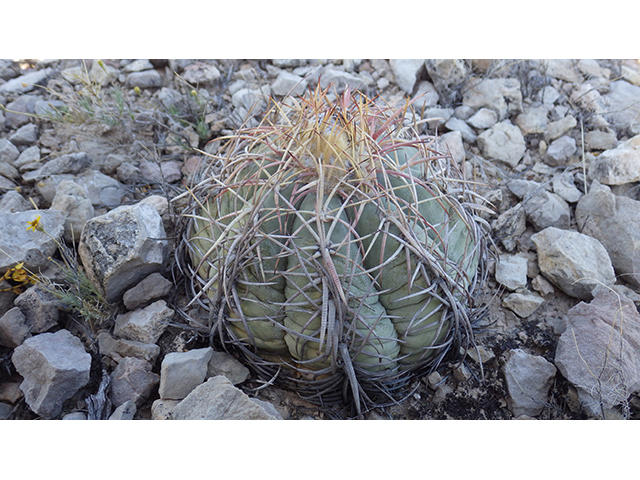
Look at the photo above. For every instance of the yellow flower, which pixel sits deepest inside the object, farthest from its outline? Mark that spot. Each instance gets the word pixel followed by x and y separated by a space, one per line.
pixel 19 274
pixel 35 225
pixel 137 90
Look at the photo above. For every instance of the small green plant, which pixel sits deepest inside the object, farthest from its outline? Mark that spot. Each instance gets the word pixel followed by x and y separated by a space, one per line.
pixel 76 293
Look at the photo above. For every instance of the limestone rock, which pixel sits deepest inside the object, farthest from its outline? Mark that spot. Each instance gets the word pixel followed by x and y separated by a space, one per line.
pixel 118 348
pixel 545 209
pixel 152 288
pixel 145 325
pixel 406 72
pixel 578 264
pixel 144 79
pixel 618 165
pixel 27 82
pixel 511 271
pixel 503 142
pixel 528 379
pixel 132 380
pixel 509 226
pixel 54 367
pixel 621 104
pixel 21 245
pixel 39 307
pixel 181 372
pixel 222 363
pixel 126 411
pixel 560 152
pixel 73 200
pixel 522 304
pixel 615 222
pixel 532 120
pixel 599 351
pixel 287 83
pixel 218 399
pixel 120 248
pixel 13 328
pixel 446 74
pixel 503 95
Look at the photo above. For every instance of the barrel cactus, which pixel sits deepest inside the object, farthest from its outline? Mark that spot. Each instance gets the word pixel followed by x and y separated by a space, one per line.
pixel 334 249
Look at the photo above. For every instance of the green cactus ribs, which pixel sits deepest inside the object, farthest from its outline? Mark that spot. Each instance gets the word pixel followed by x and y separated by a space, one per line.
pixel 335 249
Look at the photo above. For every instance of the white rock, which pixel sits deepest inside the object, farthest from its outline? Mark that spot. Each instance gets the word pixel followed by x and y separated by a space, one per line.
pixel 406 72
pixel 599 351
pixel 618 165
pixel 532 120
pixel 120 248
pixel 615 222
pixel 522 304
pixel 528 379
pixel 503 95
pixel 426 96
pixel 73 201
pixel 27 82
pixel 287 83
pixel 511 271
pixel 578 264
pixel 54 367
pixel 564 187
pixel 145 325
pixel 483 119
pixel 181 372
pixel 218 399
pixel 503 142
pixel 452 142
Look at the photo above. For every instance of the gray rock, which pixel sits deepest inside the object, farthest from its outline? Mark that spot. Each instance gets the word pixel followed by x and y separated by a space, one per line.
pixel 5 410
pixel 564 187
pixel 509 226
pixel 181 372
pixel 218 399
pixel 559 128
pixel 222 363
pixel 126 411
pixel 27 82
pixel 287 83
pixel 458 125
pixel 615 222
pixel 562 69
pixel 618 165
pixel 452 142
pixel 511 271
pixel 437 116
pixel 341 80
pixel 120 248
pixel 152 288
pixel 483 119
pixel 522 304
pixel 28 155
pixel 529 379
pixel 560 152
pixel 132 380
pixel 521 188
pixel 39 307
pixel 13 202
pixel 54 367
pixel 426 96
pixel 104 191
pixel 145 325
pixel 9 171
pixel 502 95
pixel 406 72
pixel 532 120
pixel 13 328
pixel 545 209
pixel 446 75
pixel 75 416
pixel 73 201
pixel 118 348
pixel 201 74
pixel 599 140
pixel 160 172
pixel 8 151
pixel 161 409
pixel 503 142
pixel 145 79
pixel 48 108
pixel 19 112
pixel 578 264
pixel 253 101
pixel 599 351
pixel 621 104
pixel 138 66
pixel 71 163
pixel 27 246
pixel 25 135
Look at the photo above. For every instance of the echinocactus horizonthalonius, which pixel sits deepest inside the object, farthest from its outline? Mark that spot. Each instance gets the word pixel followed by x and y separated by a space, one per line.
pixel 333 248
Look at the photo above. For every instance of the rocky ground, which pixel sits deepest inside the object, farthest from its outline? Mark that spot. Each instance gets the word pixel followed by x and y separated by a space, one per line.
pixel 93 153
